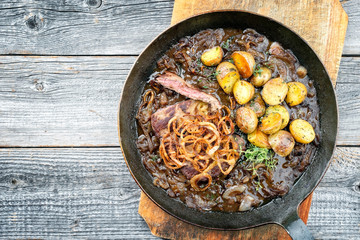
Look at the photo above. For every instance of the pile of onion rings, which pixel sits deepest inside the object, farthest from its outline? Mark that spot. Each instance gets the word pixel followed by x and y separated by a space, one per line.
pixel 203 141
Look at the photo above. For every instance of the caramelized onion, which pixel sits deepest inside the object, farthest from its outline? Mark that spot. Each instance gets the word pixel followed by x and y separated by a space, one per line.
pixel 202 177
pixel 203 141
pixel 144 116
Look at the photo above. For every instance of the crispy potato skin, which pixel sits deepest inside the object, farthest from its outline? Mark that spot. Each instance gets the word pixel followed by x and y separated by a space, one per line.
pixel 274 91
pixel 257 104
pixel 271 123
pixel 244 62
pixel 212 57
pixel 302 131
pixel 246 119
pixel 243 91
pixel 227 76
pixel 296 94
pixel 285 117
pixel 259 139
pixel 258 80
pixel 282 142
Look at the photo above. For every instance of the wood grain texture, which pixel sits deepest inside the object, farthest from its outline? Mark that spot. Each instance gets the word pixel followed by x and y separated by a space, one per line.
pixel 81 27
pixel 89 192
pixel 61 101
pixel 321 23
pixel 72 101
pixel 352 43
pixel 74 27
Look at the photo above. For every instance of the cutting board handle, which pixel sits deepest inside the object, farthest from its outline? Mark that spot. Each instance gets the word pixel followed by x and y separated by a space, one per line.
pixel 296 227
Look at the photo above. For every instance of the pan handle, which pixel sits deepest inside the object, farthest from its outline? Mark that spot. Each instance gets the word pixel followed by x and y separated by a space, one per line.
pixel 296 227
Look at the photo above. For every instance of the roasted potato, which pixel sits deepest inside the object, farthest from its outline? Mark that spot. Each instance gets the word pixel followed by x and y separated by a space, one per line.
pixel 301 71
pixel 244 62
pixel 282 142
pixel 296 94
pixel 271 123
pixel 246 119
pixel 285 117
pixel 212 57
pixel 259 139
pixel 274 91
pixel 302 131
pixel 243 91
pixel 262 77
pixel 257 105
pixel 227 76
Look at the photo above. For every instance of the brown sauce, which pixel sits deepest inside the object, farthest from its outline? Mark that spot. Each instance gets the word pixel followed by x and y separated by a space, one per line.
pixel 183 60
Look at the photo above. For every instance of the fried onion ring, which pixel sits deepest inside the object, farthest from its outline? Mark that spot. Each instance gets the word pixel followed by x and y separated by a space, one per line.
pixel 204 141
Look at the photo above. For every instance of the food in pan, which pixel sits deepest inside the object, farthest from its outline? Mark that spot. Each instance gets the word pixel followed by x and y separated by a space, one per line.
pixel 228 120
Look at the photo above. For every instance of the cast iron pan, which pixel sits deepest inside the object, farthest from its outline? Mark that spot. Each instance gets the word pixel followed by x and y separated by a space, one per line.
pixel 282 211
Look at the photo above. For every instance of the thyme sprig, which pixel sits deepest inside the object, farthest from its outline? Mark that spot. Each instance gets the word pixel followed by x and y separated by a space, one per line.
pixel 213 75
pixel 257 70
pixel 255 155
pixel 226 44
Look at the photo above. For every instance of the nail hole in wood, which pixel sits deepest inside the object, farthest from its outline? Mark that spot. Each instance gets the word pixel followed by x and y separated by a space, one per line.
pixel 14 182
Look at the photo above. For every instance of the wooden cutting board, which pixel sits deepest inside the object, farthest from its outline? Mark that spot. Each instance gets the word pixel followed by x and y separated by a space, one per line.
pixel 322 24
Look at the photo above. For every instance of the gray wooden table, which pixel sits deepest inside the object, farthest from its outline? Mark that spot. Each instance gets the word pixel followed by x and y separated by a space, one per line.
pixel 62 68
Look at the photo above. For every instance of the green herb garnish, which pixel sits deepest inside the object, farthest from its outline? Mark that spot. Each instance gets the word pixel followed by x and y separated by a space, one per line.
pixel 213 74
pixel 268 65
pixel 154 158
pixel 257 70
pixel 231 61
pixel 258 185
pixel 255 155
pixel 211 197
pixel 226 44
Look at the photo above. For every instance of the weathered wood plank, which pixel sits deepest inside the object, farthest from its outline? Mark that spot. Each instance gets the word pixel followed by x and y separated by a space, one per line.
pixel 86 27
pixel 341 185
pixel 352 44
pixel 73 101
pixel 82 192
pixel 61 100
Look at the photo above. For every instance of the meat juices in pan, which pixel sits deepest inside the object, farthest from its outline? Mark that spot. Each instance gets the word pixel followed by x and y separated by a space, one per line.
pixel 241 189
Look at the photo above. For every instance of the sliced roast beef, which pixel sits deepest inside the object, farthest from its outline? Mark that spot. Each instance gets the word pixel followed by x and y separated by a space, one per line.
pixel 160 119
pixel 189 171
pixel 177 84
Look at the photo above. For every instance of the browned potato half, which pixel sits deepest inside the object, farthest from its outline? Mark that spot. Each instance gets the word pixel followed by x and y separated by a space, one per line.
pixel 259 139
pixel 271 123
pixel 261 77
pixel 246 119
pixel 227 76
pixel 274 91
pixel 282 142
pixel 244 62
pixel 212 57
pixel 243 91
pixel 302 131
pixel 257 105
pixel 282 111
pixel 296 94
